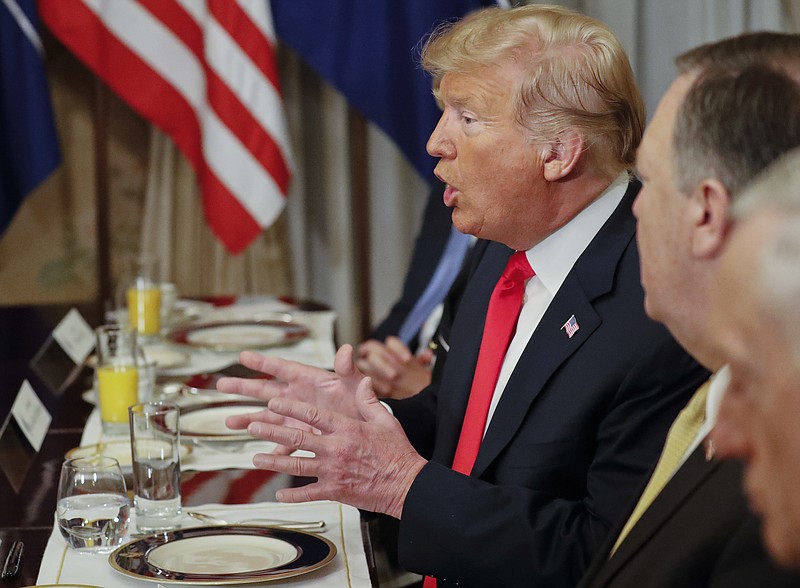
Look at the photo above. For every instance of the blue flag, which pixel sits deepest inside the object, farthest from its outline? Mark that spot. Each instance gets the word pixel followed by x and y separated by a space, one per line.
pixel 369 51
pixel 28 144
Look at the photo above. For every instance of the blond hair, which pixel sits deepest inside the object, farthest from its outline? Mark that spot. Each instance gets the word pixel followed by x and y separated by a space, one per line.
pixel 577 75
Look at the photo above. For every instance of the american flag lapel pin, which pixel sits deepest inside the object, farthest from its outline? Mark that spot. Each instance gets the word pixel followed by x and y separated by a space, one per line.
pixel 571 326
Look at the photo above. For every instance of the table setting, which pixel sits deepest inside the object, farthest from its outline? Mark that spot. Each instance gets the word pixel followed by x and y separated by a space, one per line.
pixel 337 551
pixel 157 427
pixel 198 344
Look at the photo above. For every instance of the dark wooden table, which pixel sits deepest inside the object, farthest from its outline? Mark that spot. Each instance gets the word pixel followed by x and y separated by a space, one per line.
pixel 28 504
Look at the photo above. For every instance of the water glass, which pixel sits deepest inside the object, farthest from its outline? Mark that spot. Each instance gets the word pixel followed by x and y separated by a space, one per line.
pixel 144 297
pixel 93 509
pixel 155 452
pixel 117 376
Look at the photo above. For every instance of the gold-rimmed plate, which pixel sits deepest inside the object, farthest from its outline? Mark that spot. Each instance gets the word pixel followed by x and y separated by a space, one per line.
pixel 205 421
pixel 239 335
pixel 223 555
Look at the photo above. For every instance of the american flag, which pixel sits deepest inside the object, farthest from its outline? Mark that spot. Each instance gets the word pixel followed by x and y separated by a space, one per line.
pixel 571 326
pixel 204 72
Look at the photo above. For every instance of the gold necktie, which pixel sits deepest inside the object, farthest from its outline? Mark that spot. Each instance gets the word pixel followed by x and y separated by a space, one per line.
pixel 680 437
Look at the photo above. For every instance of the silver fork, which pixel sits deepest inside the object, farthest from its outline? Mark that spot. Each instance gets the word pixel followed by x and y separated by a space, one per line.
pixel 282 523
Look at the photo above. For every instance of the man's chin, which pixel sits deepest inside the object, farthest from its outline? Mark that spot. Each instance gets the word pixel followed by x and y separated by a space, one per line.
pixel 650 308
pixel 458 222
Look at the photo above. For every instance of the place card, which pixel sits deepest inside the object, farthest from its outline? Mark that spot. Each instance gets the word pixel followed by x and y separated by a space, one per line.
pixel 62 355
pixel 28 420
pixel 31 415
pixel 75 336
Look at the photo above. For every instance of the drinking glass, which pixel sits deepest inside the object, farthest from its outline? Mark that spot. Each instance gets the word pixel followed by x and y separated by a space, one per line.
pixel 93 509
pixel 144 297
pixel 155 451
pixel 117 376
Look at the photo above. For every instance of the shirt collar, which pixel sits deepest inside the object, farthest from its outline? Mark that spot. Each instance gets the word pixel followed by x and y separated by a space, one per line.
pixel 553 258
pixel 716 390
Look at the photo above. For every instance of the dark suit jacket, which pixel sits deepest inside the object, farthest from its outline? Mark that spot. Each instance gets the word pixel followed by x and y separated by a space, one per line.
pixel 579 425
pixel 698 532
pixel 428 248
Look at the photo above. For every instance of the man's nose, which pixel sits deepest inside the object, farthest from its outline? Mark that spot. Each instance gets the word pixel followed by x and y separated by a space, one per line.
pixel 438 144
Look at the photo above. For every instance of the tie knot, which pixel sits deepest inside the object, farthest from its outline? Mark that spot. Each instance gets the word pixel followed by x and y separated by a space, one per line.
pixel 518 269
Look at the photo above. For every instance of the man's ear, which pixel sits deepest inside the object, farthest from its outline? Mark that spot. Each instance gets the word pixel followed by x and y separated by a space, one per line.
pixel 710 206
pixel 562 154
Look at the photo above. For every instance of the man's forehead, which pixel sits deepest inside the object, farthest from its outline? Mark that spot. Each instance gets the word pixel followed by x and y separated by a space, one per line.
pixel 475 88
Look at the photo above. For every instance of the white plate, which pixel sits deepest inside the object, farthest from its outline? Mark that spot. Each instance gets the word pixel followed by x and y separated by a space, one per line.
pixel 206 420
pixel 222 555
pixel 226 554
pixel 165 357
pixel 239 335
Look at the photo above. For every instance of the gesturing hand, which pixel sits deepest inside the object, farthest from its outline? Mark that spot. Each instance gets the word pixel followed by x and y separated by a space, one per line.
pixel 366 462
pixel 334 391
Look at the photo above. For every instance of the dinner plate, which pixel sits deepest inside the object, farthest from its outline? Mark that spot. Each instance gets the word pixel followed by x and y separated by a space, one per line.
pixel 205 421
pixel 119 450
pixel 165 357
pixel 239 335
pixel 222 555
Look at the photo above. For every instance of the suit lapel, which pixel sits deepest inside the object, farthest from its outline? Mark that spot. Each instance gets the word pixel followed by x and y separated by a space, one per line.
pixel 465 342
pixel 550 346
pixel 694 472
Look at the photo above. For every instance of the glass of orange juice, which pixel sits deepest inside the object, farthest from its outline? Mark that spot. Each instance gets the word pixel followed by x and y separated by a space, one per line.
pixel 117 376
pixel 144 298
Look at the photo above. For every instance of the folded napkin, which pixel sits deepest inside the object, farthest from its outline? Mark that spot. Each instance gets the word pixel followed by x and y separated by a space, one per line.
pixel 62 565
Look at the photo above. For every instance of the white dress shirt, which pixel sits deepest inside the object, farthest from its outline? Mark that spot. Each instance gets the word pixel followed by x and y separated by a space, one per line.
pixel 552 259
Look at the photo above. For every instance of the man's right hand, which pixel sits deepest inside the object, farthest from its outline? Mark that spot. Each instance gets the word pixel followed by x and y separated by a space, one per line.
pixel 334 391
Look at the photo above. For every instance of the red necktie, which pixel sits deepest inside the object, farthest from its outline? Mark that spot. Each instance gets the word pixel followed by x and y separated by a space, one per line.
pixel 501 322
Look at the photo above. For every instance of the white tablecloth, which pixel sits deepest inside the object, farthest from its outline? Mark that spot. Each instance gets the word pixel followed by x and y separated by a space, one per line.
pixel 62 565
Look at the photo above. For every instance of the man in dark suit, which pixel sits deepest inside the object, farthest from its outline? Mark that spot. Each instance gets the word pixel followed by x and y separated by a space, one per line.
pixel 428 248
pixel 399 355
pixel 512 470
pixel 726 117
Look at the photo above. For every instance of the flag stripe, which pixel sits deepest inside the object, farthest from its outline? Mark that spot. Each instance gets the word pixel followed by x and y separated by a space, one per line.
pixel 180 22
pixel 180 68
pixel 257 135
pixel 237 23
pixel 259 18
pixel 84 33
pixel 259 97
